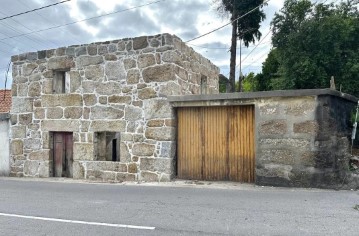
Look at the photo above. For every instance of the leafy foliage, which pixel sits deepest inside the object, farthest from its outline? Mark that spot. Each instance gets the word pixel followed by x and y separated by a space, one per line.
pixel 313 43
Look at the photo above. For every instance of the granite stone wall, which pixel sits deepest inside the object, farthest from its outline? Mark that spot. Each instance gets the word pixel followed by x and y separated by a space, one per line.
pixel 115 86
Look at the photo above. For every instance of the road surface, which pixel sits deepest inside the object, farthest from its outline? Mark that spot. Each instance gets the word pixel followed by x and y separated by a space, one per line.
pixel 43 207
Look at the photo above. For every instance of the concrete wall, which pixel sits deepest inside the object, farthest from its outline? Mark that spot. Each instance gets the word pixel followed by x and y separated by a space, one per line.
pixel 302 137
pixel 4 144
pixel 116 86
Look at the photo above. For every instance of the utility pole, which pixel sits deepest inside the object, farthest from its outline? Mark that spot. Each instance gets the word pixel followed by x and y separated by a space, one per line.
pixel 232 72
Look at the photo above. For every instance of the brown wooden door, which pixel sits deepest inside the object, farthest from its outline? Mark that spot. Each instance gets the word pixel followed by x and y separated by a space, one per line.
pixel 62 153
pixel 216 143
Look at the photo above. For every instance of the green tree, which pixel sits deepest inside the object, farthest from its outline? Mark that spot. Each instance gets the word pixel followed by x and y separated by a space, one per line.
pixel 245 29
pixel 315 42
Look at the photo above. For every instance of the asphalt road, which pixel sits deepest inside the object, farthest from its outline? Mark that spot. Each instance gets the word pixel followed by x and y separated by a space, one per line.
pixel 66 208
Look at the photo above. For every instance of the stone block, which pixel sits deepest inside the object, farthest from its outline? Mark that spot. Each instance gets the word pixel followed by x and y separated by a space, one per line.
pixel 129 63
pixel 133 113
pixel 78 170
pixel 112 48
pixel 146 60
pixel 155 123
pixel 90 99
pixel 102 100
pixel 28 69
pixel 172 57
pixel 149 176
pixel 110 57
pixel 122 177
pixel 168 149
pixel 162 165
pixel 94 72
pixel 114 126
pixel 39 113
pixel 132 168
pixel 80 51
pixel 102 49
pixel 108 176
pixel 34 89
pixel 83 61
pixel 143 149
pixel 101 112
pixel 157 109
pixel 276 156
pixel 25 119
pixel 73 112
pixel 60 51
pixel 44 169
pixel 62 100
pixel 70 51
pixel 75 80
pixel 83 151
pixel 108 88
pixel 115 70
pixel 170 122
pixel 125 155
pixel 284 143
pixel 92 49
pixel 300 108
pixel 275 170
pixel 159 73
pixel 273 127
pixel 32 143
pixel 119 99
pixel 60 63
pixel 41 155
pixel 140 43
pixel 18 132
pixel 133 76
pixel 170 89
pixel 165 178
pixel 60 125
pixel 268 109
pixel 16 147
pixel 21 105
pixel 54 113
pixel 94 174
pixel 31 168
pixel 146 93
pixel 307 127
pixel 161 133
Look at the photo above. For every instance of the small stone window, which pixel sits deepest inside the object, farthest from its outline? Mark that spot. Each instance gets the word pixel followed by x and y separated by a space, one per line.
pixel 61 82
pixel 203 84
pixel 107 146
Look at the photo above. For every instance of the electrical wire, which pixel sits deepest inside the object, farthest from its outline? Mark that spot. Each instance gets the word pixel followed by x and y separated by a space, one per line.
pixel 212 31
pixel 86 19
pixel 36 9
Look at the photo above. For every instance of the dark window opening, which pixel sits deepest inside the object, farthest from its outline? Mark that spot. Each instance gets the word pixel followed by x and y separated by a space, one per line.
pixel 203 84
pixel 106 146
pixel 60 82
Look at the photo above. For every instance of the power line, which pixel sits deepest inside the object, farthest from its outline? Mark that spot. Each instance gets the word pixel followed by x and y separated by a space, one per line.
pixel 36 9
pixel 200 36
pixel 256 46
pixel 75 22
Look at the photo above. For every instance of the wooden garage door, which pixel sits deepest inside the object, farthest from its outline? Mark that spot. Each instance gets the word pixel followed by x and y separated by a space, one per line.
pixel 216 143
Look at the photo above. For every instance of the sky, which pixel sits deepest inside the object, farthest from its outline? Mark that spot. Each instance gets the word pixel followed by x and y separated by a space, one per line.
pixel 185 18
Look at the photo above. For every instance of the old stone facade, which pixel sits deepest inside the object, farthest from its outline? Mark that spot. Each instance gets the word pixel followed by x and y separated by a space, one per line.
pixel 109 93
pixel 302 137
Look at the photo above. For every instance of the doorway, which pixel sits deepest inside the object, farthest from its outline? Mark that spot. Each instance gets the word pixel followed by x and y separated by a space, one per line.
pixel 62 154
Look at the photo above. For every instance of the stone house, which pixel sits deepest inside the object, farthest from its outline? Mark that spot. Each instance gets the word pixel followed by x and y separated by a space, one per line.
pixel 100 111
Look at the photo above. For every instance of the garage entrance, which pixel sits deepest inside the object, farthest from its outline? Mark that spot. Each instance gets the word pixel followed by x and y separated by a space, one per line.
pixel 216 143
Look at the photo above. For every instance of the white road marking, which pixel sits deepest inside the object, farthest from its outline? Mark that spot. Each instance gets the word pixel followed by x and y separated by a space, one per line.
pixel 78 222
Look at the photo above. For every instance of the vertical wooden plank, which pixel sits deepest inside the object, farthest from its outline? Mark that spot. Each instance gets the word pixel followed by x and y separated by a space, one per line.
pixel 69 154
pixel 58 154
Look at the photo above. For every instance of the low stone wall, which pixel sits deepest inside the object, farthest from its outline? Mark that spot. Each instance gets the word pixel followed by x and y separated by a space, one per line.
pixel 117 86
pixel 302 137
